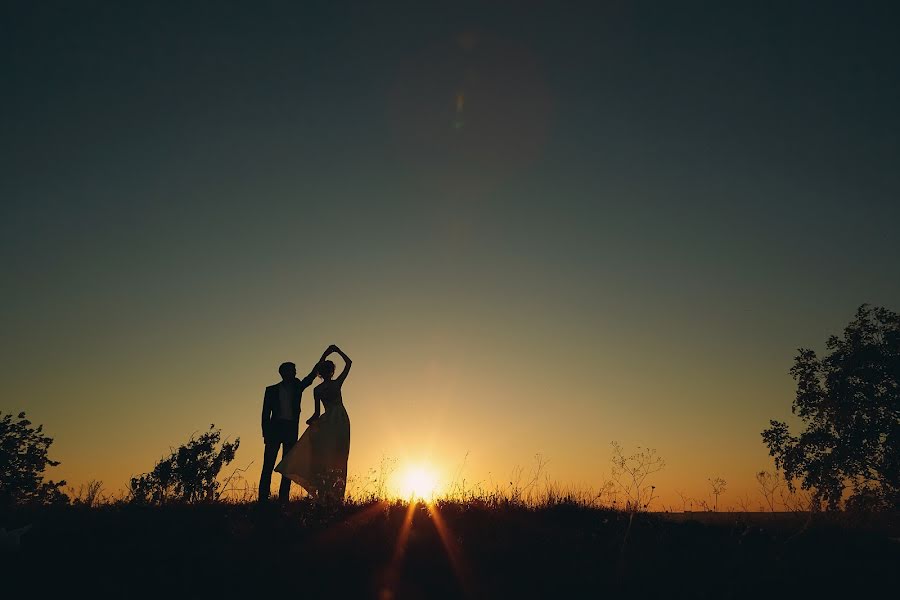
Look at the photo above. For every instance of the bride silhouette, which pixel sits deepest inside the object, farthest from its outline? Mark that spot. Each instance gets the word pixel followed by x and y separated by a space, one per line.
pixel 318 461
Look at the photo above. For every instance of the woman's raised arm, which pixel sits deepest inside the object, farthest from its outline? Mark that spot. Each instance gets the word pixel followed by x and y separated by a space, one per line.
pixel 347 363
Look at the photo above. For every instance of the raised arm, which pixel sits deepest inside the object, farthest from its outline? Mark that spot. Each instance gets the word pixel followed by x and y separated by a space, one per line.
pixel 347 364
pixel 325 354
pixel 315 370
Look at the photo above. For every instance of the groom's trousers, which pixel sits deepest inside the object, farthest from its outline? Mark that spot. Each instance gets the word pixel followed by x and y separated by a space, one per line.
pixel 282 435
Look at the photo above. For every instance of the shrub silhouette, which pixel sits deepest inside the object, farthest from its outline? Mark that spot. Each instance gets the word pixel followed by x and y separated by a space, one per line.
pixel 188 474
pixel 850 402
pixel 630 473
pixel 23 459
pixel 718 485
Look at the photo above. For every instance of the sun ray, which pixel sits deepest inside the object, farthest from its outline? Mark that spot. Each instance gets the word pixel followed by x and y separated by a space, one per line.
pixel 346 527
pixel 392 575
pixel 458 562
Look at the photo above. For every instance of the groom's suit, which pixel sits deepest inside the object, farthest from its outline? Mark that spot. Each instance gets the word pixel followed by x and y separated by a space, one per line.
pixel 280 429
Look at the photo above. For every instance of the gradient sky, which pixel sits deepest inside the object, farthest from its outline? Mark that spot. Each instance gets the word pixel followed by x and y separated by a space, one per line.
pixel 537 227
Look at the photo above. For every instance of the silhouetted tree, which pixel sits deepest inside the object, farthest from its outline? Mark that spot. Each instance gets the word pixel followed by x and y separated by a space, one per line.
pixel 718 485
pixel 188 474
pixel 23 459
pixel 850 402
pixel 769 483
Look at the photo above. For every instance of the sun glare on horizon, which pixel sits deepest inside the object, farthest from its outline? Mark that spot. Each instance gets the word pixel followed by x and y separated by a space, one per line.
pixel 418 481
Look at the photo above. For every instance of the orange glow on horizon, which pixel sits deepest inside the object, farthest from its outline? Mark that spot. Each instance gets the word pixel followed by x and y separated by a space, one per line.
pixel 418 481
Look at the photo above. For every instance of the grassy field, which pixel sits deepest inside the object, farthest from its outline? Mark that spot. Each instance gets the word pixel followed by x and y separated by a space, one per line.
pixel 446 550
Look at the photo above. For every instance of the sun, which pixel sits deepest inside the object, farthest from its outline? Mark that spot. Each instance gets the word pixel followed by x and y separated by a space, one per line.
pixel 418 481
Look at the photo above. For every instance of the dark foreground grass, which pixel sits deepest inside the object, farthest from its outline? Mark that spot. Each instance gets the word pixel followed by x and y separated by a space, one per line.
pixel 391 550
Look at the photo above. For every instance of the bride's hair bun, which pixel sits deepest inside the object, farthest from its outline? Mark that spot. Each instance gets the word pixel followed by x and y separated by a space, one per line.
pixel 326 369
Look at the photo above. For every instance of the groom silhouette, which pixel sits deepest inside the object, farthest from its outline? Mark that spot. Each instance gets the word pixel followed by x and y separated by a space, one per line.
pixel 281 424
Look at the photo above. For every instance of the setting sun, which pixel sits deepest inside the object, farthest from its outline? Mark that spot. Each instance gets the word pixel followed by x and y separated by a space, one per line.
pixel 418 481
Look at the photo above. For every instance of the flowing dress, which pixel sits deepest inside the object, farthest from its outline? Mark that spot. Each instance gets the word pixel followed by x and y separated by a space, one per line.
pixel 318 461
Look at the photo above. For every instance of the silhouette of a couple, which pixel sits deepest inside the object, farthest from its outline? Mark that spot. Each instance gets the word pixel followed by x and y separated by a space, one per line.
pixel 318 460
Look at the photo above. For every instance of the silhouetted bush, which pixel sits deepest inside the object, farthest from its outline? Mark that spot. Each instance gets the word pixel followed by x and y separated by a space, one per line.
pixel 850 402
pixel 89 494
pixel 188 474
pixel 23 459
